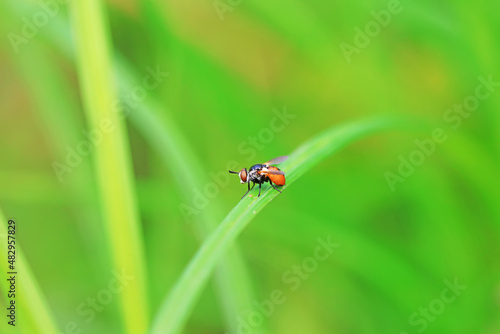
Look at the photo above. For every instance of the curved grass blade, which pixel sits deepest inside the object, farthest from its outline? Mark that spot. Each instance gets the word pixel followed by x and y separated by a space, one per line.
pixel 233 285
pixel 177 305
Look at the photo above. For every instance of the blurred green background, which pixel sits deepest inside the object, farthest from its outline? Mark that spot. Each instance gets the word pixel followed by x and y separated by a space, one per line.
pixel 232 66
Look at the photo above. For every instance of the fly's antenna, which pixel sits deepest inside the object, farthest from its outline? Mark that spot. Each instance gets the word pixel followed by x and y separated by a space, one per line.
pixel 232 172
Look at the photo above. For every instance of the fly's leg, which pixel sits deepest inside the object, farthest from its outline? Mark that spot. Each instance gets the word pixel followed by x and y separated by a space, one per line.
pixel 260 185
pixel 274 186
pixel 248 189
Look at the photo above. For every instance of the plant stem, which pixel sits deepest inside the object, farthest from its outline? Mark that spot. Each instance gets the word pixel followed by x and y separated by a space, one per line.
pixel 112 161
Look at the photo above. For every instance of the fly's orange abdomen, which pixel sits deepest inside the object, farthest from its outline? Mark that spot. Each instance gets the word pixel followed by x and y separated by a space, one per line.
pixel 278 180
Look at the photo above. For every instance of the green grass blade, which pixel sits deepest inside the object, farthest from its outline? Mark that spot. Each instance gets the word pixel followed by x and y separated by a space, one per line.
pixel 112 159
pixel 32 312
pixel 232 282
pixel 178 304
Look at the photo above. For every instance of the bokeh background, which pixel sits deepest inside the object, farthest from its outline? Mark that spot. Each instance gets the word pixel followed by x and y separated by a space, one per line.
pixel 231 66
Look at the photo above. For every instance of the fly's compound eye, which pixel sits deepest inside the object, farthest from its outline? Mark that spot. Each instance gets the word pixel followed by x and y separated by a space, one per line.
pixel 243 175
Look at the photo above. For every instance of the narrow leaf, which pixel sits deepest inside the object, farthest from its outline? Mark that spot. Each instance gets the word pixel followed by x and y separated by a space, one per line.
pixel 177 305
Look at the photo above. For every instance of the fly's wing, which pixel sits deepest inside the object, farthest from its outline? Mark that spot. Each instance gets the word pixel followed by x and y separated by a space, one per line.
pixel 271 171
pixel 278 180
pixel 277 160
pixel 274 174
